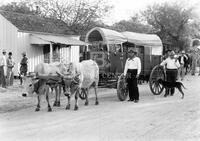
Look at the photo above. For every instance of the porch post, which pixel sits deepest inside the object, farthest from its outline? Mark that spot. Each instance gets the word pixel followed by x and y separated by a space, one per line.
pixel 51 53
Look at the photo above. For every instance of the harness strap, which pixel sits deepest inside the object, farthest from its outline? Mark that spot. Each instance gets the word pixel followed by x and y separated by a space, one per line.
pixel 37 86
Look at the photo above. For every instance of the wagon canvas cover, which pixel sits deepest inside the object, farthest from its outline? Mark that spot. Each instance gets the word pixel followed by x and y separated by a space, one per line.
pixel 108 36
pixel 147 40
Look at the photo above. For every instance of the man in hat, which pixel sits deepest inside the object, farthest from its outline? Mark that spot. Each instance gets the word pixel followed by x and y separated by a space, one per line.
pixel 24 66
pixel 194 57
pixel 183 62
pixel 132 71
pixel 3 65
pixel 172 65
pixel 198 59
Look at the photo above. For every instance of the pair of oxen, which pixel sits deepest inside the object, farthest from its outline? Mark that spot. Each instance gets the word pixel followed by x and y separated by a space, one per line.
pixel 72 78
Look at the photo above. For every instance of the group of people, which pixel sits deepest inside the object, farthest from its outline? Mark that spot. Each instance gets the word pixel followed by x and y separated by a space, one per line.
pixel 7 65
pixel 184 60
pixel 176 66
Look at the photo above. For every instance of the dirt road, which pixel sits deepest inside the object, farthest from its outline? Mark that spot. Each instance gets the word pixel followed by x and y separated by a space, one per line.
pixel 154 118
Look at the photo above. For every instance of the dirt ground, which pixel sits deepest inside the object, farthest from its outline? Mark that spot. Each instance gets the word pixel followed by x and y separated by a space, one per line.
pixel 154 118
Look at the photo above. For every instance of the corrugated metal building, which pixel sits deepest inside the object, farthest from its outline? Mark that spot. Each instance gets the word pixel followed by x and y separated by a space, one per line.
pixel 43 39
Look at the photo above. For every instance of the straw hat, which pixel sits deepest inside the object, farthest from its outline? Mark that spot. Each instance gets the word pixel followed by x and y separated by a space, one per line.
pixel 3 50
pixel 183 51
pixel 172 53
pixel 23 53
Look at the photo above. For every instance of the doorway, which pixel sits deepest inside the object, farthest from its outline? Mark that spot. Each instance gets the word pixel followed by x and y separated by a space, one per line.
pixel 55 54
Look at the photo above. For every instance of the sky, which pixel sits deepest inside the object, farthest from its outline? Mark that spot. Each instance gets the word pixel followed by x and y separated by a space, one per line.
pixel 124 9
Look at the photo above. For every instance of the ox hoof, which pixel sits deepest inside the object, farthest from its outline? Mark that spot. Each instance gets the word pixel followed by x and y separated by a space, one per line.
pixel 86 103
pixel 58 104
pixel 97 103
pixel 55 104
pixel 75 108
pixel 37 109
pixel 49 109
pixel 67 107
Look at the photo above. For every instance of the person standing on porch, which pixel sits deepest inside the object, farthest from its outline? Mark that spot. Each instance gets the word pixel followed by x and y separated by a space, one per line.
pixel 23 67
pixel 10 65
pixel 132 71
pixel 3 68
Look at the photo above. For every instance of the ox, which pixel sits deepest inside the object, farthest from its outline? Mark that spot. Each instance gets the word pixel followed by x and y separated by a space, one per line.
pixel 81 76
pixel 42 82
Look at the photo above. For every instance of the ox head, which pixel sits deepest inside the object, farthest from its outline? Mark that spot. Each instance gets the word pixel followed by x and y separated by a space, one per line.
pixel 29 82
pixel 71 82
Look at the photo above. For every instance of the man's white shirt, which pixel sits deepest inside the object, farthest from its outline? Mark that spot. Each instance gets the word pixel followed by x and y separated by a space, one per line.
pixel 133 63
pixel 171 63
pixel 3 61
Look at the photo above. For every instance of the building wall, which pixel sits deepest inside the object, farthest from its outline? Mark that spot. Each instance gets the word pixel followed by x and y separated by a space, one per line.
pixel 8 37
pixel 33 52
pixel 75 53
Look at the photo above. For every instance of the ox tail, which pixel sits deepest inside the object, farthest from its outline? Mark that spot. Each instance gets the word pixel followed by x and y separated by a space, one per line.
pixel 183 86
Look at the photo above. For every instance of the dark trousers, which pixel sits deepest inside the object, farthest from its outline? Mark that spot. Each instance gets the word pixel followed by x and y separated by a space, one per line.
pixel 171 77
pixel 2 77
pixel 132 84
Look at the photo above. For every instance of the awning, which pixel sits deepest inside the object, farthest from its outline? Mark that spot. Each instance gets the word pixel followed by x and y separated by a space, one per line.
pixel 44 39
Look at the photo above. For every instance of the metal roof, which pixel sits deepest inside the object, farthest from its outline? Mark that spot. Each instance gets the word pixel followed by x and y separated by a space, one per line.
pixel 37 23
pixel 44 39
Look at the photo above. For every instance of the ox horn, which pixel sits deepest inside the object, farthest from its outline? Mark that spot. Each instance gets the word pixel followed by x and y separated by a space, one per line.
pixel 59 74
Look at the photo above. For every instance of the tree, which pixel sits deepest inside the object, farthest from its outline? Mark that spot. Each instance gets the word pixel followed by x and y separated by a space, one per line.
pixel 134 24
pixel 170 21
pixel 20 7
pixel 79 15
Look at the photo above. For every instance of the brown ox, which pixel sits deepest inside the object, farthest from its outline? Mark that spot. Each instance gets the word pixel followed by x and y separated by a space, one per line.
pixel 81 76
pixel 44 80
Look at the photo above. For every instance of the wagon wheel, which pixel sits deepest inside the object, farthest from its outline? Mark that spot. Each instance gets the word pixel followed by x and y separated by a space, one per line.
pixel 122 89
pixel 82 94
pixel 156 74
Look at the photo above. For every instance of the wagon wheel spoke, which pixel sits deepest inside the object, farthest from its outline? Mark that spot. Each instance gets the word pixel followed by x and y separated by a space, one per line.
pixel 122 91
pixel 156 74
pixel 154 87
pixel 159 87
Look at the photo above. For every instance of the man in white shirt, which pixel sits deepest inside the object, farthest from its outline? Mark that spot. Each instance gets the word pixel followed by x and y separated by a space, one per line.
pixel 3 65
pixel 172 65
pixel 132 71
